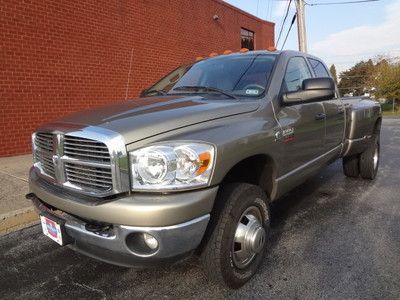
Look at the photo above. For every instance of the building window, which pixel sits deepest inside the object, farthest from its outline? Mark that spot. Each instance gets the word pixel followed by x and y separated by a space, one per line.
pixel 247 38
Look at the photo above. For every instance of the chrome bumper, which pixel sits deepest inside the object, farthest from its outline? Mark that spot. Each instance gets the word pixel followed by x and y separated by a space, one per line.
pixel 137 209
pixel 114 245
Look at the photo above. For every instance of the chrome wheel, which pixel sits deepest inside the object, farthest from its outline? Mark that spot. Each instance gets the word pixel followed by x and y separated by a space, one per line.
pixel 376 157
pixel 249 237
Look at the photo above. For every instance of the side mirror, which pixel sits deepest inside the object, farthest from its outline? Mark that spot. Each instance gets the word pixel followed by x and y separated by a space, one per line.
pixel 143 92
pixel 313 89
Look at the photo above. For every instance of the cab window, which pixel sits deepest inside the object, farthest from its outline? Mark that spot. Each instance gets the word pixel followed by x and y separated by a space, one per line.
pixel 243 75
pixel 296 71
pixel 319 68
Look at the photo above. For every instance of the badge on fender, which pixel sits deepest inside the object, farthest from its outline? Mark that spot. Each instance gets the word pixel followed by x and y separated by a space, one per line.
pixel 288 135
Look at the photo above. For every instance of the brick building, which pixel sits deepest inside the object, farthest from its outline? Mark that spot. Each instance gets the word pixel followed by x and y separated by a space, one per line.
pixel 61 56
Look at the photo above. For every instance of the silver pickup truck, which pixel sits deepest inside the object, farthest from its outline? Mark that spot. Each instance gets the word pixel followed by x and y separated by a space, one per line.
pixel 192 166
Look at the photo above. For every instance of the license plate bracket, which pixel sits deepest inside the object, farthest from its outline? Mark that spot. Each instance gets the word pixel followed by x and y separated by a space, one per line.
pixel 54 228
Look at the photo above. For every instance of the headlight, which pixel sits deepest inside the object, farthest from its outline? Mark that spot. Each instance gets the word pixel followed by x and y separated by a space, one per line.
pixel 172 166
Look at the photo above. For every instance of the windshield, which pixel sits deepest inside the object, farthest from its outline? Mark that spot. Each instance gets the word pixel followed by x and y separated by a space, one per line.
pixel 235 75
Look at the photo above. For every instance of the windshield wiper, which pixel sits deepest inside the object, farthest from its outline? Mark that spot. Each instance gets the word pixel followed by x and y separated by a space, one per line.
pixel 205 89
pixel 157 92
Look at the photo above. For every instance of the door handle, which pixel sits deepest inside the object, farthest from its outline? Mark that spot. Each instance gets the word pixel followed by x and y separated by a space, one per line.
pixel 320 116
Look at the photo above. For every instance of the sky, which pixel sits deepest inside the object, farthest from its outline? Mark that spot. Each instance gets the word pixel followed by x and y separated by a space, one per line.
pixel 339 34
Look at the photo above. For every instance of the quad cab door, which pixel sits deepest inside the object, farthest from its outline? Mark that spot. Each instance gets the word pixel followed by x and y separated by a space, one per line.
pixel 302 133
pixel 334 111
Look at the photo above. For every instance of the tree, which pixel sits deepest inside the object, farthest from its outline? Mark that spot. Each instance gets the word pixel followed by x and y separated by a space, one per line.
pixel 358 79
pixel 387 79
pixel 381 76
pixel 332 69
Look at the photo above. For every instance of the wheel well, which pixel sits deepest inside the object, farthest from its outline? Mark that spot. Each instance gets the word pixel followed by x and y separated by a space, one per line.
pixel 377 126
pixel 257 169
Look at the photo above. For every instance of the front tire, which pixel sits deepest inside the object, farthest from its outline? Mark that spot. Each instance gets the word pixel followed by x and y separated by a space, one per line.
pixel 236 246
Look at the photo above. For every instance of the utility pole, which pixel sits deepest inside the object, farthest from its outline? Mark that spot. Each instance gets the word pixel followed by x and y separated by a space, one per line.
pixel 301 26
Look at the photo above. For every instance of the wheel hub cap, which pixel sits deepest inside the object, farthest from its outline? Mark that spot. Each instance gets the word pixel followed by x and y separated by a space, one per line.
pixel 250 237
pixel 256 239
pixel 376 157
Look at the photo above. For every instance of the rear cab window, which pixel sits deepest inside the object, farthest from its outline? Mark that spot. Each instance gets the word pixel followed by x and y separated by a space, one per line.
pixel 297 70
pixel 318 68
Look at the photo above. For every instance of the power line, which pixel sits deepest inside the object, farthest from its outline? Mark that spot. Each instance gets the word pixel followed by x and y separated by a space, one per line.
pixel 343 2
pixel 267 10
pixel 379 52
pixel 290 28
pixel 283 22
pixel 270 9
pixel 356 76
pixel 353 87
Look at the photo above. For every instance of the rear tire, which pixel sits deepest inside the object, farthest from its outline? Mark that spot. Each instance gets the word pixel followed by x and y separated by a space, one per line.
pixel 351 166
pixel 236 246
pixel 369 160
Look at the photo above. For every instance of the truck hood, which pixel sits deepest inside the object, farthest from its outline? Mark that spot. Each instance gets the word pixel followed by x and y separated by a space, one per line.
pixel 141 118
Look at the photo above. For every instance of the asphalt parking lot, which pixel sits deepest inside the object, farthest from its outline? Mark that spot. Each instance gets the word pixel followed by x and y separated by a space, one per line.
pixel 332 237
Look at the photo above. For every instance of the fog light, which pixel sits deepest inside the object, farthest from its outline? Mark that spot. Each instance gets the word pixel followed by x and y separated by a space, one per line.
pixel 150 241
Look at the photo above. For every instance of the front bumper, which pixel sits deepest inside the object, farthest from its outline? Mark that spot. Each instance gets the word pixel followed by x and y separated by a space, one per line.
pixel 178 221
pixel 115 244
pixel 137 209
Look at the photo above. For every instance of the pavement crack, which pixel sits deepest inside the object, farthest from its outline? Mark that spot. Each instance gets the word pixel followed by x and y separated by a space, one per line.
pixel 87 287
pixel 11 175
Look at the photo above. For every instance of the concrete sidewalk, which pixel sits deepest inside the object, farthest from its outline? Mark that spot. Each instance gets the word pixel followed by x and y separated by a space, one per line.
pixel 15 211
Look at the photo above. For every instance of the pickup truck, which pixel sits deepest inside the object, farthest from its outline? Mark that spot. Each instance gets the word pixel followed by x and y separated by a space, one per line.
pixel 192 166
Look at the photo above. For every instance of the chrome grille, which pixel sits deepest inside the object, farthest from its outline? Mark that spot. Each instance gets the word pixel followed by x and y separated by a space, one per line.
pixel 90 168
pixel 98 178
pixel 75 162
pixel 44 141
pixel 86 149
pixel 44 152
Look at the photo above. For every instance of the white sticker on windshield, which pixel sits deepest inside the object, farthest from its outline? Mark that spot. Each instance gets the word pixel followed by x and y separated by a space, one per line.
pixel 251 92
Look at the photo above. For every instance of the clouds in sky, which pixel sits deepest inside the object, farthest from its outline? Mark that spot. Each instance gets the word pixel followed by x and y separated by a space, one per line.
pixel 344 48
pixel 280 9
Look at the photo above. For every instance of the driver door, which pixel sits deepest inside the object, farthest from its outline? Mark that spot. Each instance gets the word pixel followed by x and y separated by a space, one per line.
pixel 303 124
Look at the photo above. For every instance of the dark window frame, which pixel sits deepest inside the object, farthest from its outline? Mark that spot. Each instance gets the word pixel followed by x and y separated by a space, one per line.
pixel 247 38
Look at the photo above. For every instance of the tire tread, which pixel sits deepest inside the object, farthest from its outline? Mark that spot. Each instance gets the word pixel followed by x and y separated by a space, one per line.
pixel 367 170
pixel 211 255
pixel 351 166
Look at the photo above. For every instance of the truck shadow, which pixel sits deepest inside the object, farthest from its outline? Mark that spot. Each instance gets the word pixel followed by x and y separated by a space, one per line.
pixel 302 197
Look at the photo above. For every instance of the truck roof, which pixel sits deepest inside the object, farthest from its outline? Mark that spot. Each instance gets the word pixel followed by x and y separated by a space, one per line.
pixel 287 53
pixel 277 52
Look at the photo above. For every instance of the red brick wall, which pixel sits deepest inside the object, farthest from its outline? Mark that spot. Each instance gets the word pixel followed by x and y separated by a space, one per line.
pixel 60 56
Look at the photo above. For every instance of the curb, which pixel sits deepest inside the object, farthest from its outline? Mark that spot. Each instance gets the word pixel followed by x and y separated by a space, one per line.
pixel 18 219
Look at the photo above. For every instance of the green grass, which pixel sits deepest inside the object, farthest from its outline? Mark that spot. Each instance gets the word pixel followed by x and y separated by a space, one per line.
pixel 395 114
